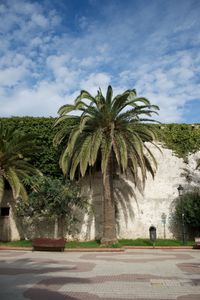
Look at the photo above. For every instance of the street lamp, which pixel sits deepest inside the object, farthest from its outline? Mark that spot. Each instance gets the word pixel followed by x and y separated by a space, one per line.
pixel 180 193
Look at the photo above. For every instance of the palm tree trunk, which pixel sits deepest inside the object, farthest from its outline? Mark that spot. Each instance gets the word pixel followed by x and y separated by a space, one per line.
pixel 109 224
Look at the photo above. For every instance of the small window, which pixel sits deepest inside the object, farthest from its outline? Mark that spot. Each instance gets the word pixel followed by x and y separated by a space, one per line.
pixel 5 211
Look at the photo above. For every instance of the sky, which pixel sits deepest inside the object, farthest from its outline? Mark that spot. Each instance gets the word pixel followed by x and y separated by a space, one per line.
pixel 50 50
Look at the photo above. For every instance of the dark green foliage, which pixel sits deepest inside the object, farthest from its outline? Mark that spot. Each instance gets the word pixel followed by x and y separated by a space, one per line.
pixel 47 157
pixel 189 205
pixel 181 138
pixel 51 198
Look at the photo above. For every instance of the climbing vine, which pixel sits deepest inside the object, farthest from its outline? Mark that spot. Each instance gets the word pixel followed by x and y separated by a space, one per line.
pixel 181 138
pixel 47 157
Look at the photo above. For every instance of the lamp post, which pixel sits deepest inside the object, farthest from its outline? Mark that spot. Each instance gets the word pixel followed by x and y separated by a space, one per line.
pixel 163 219
pixel 180 193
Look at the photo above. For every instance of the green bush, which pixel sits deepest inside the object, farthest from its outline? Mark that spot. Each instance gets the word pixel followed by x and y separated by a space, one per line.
pixel 189 205
pixel 53 199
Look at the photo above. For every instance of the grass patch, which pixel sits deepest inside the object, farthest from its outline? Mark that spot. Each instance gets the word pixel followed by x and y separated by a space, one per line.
pixel 159 242
pixel 89 244
pixel 96 244
pixel 23 243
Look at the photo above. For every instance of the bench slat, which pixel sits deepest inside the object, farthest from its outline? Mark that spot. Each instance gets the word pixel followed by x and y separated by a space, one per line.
pixel 48 244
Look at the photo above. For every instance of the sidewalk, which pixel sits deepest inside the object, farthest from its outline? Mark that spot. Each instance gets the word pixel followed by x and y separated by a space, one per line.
pixel 133 274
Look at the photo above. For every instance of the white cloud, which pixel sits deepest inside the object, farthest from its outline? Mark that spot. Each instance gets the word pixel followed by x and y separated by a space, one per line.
pixel 47 63
pixel 94 81
pixel 40 20
pixel 41 101
pixel 11 76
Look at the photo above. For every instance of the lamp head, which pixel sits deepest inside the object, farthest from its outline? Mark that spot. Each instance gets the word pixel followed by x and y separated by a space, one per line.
pixel 180 190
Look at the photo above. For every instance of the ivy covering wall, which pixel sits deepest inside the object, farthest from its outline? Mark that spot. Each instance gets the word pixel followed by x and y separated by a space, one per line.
pixel 47 157
pixel 181 138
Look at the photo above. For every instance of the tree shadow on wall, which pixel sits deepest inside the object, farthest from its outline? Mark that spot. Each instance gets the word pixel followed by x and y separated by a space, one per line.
pixel 123 196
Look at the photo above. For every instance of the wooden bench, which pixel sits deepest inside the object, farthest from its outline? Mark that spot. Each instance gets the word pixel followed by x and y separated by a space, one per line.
pixel 47 244
pixel 197 243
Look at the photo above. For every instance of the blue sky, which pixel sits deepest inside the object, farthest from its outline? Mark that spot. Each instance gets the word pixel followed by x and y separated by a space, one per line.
pixel 50 50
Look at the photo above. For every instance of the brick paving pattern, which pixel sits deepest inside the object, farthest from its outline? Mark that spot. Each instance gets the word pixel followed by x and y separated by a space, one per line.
pixel 139 274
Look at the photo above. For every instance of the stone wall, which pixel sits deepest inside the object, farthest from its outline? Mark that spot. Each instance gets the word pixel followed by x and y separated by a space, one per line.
pixel 8 224
pixel 136 212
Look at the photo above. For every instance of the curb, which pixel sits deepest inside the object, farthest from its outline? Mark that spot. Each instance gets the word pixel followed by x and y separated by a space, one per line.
pixel 94 250
pixel 122 249
pixel 16 248
pixel 158 247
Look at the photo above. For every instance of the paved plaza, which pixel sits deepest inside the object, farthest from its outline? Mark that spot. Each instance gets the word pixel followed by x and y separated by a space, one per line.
pixel 133 274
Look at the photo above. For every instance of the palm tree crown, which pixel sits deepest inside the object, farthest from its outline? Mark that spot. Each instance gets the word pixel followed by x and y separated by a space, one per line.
pixel 105 126
pixel 15 149
pixel 112 130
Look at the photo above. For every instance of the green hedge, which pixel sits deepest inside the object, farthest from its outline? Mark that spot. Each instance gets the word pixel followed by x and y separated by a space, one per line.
pixel 181 138
pixel 47 158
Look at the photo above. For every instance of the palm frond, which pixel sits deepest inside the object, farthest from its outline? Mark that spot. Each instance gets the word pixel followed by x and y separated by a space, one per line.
pixel 14 182
pixel 84 95
pixel 1 187
pixel 121 150
pixel 74 164
pixel 73 138
pixel 108 127
pixel 15 152
pixel 85 154
pixel 63 110
pixel 109 95
pixel 64 161
pixel 95 145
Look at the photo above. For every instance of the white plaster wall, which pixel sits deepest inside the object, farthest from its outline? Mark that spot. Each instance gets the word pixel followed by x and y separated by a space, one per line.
pixel 157 198
pixel 135 213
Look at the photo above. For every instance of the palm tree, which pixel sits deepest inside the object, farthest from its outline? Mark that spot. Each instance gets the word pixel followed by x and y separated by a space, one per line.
pixel 15 149
pixel 112 130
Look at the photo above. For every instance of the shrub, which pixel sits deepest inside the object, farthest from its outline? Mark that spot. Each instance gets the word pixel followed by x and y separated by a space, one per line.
pixel 189 205
pixel 53 199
